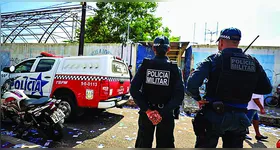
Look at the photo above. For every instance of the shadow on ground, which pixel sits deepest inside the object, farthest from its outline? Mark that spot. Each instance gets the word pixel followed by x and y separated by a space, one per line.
pixel 92 124
pixel 258 144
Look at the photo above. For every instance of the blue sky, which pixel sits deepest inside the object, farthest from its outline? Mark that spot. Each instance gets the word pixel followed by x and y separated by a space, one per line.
pixel 252 17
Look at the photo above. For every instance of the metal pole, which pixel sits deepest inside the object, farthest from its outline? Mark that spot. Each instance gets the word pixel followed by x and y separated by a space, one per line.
pixel 127 38
pixel 205 32
pixel 217 31
pixel 194 32
pixel 82 33
pixel 72 33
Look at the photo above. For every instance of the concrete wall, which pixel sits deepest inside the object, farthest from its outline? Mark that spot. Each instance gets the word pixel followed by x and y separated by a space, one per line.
pixel 19 52
pixel 269 58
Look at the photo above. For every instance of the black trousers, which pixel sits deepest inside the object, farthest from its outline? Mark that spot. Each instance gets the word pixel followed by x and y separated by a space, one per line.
pixel 231 126
pixel 230 140
pixel 164 132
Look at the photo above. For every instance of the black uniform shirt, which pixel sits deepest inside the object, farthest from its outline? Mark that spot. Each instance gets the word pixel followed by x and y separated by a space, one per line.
pixel 138 80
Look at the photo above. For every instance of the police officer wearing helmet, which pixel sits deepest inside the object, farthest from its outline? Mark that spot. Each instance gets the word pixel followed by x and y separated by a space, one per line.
pixel 232 78
pixel 158 89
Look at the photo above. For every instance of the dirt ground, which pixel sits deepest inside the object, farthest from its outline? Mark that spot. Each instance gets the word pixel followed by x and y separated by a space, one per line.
pixel 123 134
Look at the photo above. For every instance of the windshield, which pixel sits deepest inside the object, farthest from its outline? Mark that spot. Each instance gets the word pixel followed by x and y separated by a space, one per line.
pixel 119 67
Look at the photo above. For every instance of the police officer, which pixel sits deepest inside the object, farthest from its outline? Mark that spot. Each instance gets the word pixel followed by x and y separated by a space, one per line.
pixel 232 78
pixel 130 72
pixel 158 89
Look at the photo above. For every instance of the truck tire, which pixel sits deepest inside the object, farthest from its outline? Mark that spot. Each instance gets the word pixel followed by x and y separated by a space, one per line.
pixel 69 106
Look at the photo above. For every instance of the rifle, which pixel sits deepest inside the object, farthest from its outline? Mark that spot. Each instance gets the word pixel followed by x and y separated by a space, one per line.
pixel 251 44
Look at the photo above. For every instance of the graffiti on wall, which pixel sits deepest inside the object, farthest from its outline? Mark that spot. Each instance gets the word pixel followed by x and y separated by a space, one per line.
pixel 100 51
pixel 267 62
pixel 270 74
pixel 5 59
pixel 16 60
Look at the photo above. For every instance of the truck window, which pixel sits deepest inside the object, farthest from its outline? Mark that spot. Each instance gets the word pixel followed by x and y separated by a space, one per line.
pixel 118 67
pixel 44 65
pixel 24 66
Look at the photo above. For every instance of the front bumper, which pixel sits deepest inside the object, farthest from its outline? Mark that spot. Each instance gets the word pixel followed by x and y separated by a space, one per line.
pixel 113 102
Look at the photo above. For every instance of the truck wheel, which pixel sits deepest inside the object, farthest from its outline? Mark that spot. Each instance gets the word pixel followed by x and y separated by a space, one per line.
pixel 68 106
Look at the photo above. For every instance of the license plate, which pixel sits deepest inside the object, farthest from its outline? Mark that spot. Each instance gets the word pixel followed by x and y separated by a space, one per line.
pixel 57 115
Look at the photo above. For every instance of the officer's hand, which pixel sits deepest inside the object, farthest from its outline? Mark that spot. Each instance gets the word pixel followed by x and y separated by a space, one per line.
pixel 149 113
pixel 157 118
pixel 154 116
pixel 202 103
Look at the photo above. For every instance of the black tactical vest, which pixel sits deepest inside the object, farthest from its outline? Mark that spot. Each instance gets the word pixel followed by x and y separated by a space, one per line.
pixel 234 78
pixel 159 80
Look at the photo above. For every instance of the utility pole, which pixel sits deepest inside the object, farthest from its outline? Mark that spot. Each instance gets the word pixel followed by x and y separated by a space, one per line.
pixel 82 32
pixel 194 33
pixel 205 32
pixel 217 31
pixel 127 37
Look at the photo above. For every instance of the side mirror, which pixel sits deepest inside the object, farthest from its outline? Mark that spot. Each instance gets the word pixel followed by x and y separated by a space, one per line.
pixel 12 68
pixel 6 69
pixel 9 69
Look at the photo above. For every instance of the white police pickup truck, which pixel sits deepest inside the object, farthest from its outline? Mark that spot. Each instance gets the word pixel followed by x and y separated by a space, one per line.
pixel 100 81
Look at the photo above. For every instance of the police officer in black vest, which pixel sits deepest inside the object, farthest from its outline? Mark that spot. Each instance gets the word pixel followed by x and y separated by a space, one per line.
pixel 232 78
pixel 158 89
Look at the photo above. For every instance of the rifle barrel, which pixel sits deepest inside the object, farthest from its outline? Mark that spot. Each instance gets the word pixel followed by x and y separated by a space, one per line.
pixel 251 44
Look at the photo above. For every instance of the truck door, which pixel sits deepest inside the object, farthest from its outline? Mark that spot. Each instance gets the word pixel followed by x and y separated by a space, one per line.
pixel 22 73
pixel 45 70
pixel 36 77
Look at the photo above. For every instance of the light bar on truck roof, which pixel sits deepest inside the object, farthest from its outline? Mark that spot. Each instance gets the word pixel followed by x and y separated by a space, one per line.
pixel 46 54
pixel 118 58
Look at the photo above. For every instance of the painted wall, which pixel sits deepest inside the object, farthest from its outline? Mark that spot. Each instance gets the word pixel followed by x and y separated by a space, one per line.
pixel 4 59
pixel 21 51
pixel 269 58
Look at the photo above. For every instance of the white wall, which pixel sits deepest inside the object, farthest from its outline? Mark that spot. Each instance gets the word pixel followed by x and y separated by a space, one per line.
pixel 22 51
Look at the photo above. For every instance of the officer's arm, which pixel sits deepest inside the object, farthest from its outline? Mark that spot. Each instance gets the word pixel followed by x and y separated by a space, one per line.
pixel 263 84
pixel 136 85
pixel 177 95
pixel 196 79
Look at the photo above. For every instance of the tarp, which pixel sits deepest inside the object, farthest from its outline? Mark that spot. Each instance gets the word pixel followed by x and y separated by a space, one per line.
pixel 188 59
pixel 143 52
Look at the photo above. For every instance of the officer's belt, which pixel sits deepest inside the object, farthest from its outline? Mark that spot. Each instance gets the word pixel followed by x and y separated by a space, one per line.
pixel 226 108
pixel 156 106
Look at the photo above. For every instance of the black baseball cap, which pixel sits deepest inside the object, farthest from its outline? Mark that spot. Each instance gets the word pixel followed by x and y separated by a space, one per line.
pixel 161 41
pixel 230 34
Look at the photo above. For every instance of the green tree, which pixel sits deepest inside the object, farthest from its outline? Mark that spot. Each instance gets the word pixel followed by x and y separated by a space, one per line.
pixel 110 23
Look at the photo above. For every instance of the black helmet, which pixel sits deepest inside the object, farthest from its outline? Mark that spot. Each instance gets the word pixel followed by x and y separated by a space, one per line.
pixel 161 44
